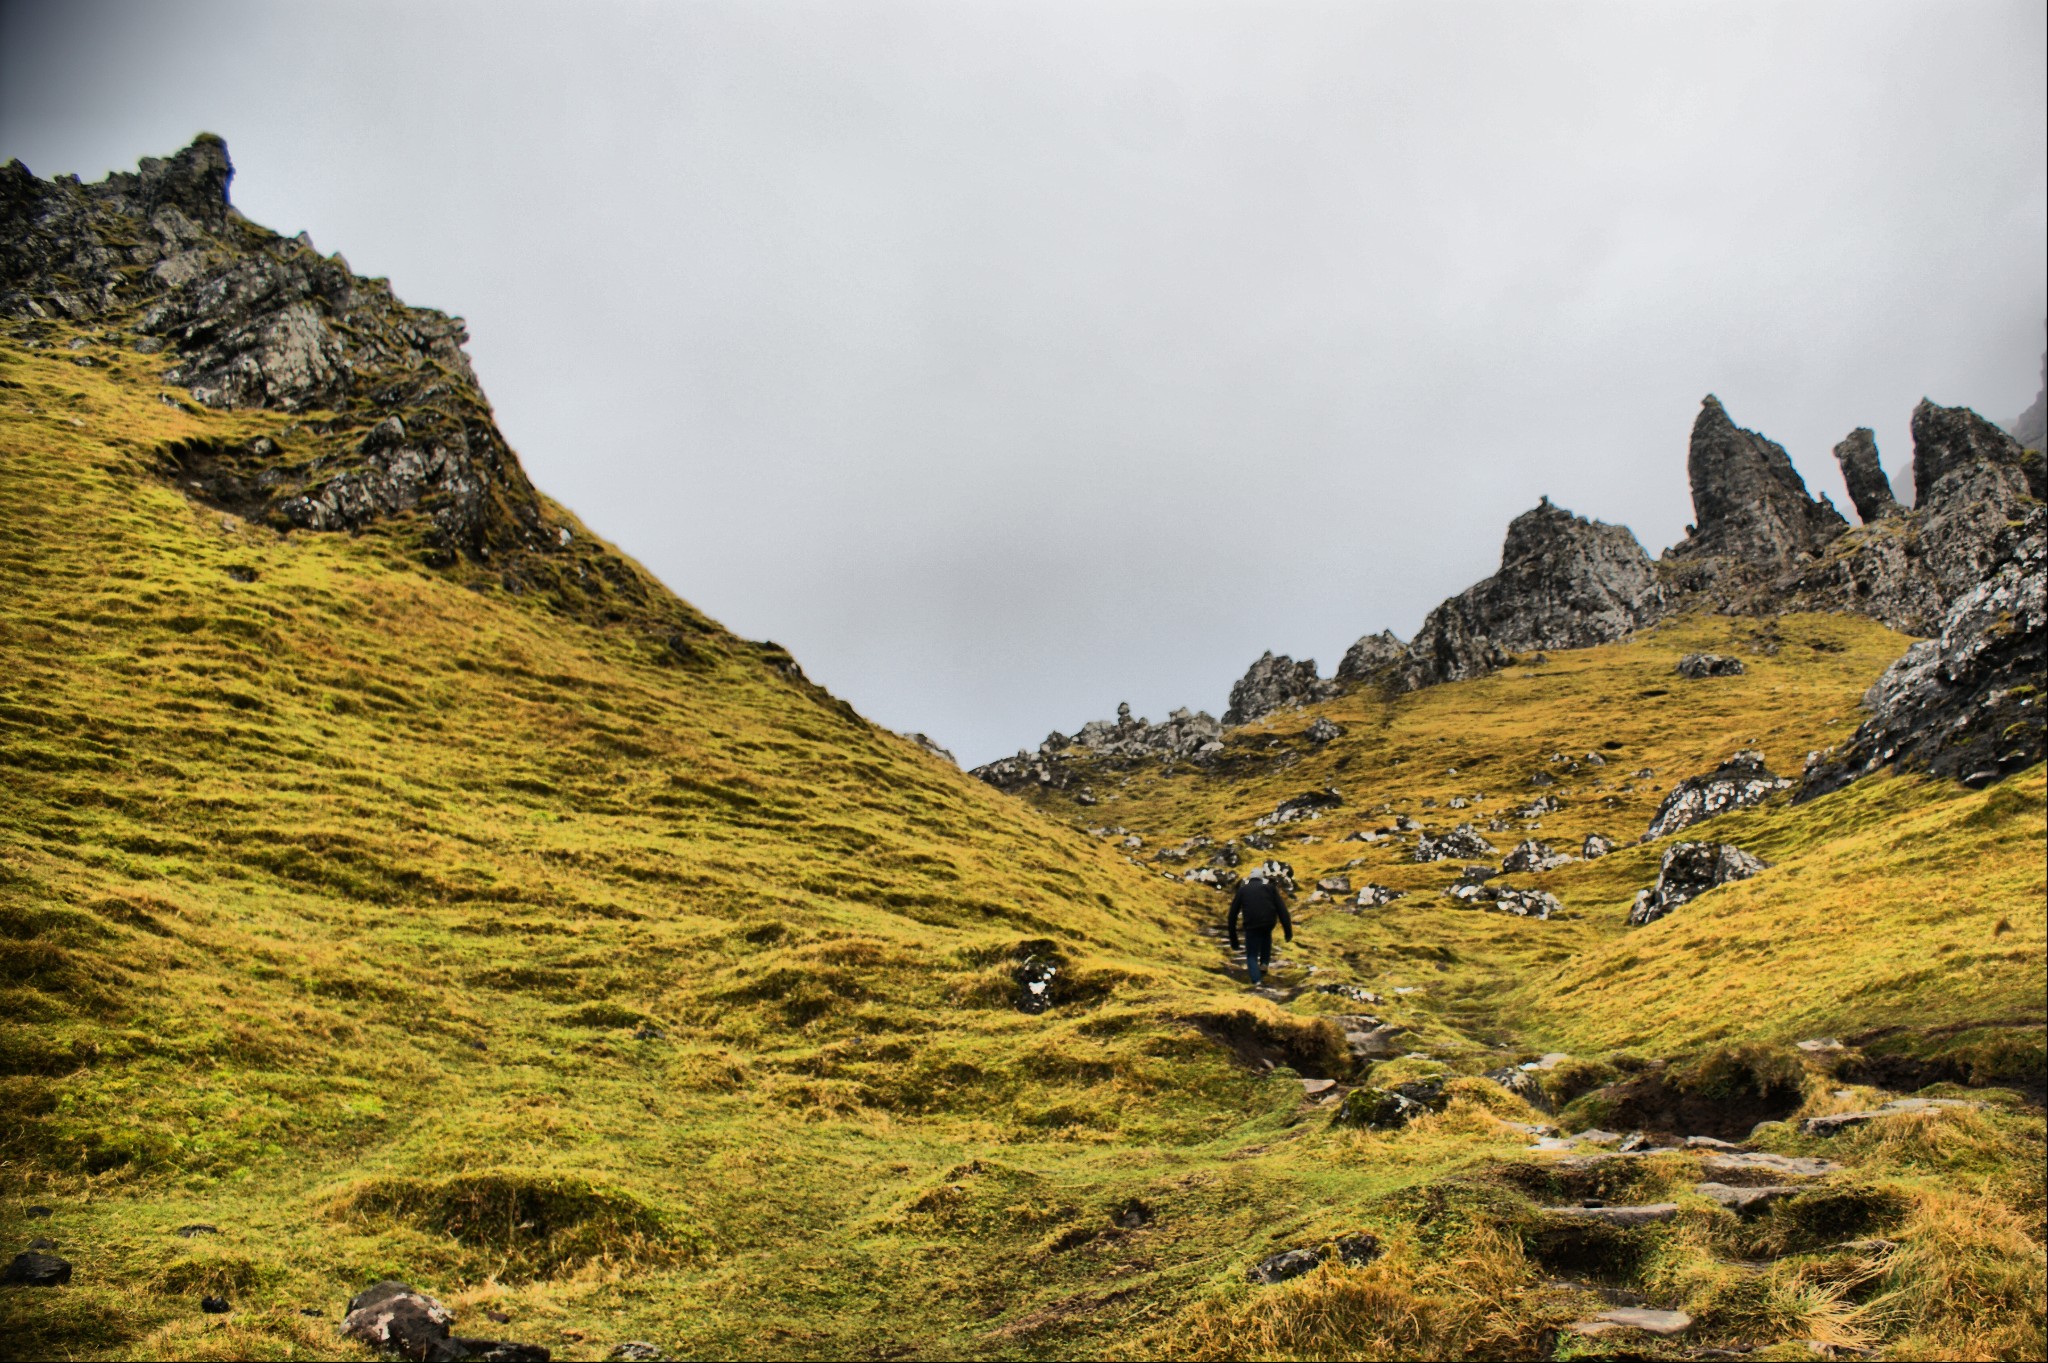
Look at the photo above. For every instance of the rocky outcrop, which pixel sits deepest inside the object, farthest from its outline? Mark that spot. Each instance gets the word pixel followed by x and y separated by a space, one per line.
pixel 1967 703
pixel 1186 735
pixel 1750 504
pixel 1276 683
pixel 1564 582
pixel 1738 783
pixel 159 260
pixel 1689 870
pixel 1949 438
pixel 933 748
pixel 1869 489
pixel 1372 656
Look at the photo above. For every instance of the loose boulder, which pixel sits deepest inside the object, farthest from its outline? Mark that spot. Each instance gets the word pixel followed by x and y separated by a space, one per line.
pixel 1463 841
pixel 1376 896
pixel 35 1269
pixel 1530 855
pixel 1523 1085
pixel 1376 1109
pixel 1356 1250
pixel 1596 845
pixel 1527 903
pixel 393 1315
pixel 1688 871
pixel 1738 783
pixel 1698 665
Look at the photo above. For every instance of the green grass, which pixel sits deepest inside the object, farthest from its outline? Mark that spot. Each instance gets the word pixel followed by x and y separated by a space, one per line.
pixel 400 924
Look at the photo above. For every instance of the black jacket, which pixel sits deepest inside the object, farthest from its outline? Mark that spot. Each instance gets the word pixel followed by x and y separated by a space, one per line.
pixel 1260 904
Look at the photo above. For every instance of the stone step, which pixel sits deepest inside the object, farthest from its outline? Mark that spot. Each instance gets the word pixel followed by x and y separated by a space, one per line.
pixel 1648 1214
pixel 1644 1318
pixel 1740 1166
pixel 1745 1201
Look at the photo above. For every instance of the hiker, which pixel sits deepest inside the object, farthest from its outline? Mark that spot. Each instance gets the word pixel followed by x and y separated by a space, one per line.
pixel 1258 900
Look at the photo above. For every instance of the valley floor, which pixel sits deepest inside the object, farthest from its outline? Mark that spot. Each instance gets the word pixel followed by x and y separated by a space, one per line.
pixel 365 920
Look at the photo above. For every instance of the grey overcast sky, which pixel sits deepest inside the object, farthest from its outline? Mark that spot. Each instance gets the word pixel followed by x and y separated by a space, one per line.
pixel 1006 361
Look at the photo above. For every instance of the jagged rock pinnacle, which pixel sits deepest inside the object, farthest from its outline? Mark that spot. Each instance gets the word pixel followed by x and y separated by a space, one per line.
pixel 1869 489
pixel 1749 502
pixel 1949 438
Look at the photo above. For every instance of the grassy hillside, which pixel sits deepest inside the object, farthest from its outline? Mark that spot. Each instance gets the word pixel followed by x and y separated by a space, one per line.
pixel 393 922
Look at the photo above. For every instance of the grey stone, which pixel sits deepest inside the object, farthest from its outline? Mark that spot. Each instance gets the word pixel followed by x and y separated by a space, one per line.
pixel 1737 1166
pixel 1377 1109
pixel 1564 582
pixel 1528 903
pixel 930 746
pixel 1530 855
pixel 1648 1214
pixel 1750 505
pixel 1869 489
pixel 1372 656
pixel 1698 665
pixel 1323 731
pixel 1276 683
pixel 1948 438
pixel 1644 1318
pixel 636 1351
pixel 2030 426
pixel 1523 1085
pixel 1964 704
pixel 1376 896
pixel 1596 845
pixel 1738 783
pixel 1689 870
pixel 1350 1249
pixel 1461 842
pixel 1745 1201
pixel 393 1315
pixel 1834 1122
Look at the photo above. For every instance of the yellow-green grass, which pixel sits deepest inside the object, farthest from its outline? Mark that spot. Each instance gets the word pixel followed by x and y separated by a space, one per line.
pixel 331 904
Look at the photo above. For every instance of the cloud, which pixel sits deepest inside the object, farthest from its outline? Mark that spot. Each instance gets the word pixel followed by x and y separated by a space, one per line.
pixel 1006 361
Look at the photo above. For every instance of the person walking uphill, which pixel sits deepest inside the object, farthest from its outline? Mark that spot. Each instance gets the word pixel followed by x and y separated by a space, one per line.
pixel 1258 901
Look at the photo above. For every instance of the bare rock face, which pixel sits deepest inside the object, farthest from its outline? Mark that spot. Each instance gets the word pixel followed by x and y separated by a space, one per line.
pixel 1869 489
pixel 1738 783
pixel 1564 582
pixel 1187 735
pixel 249 318
pixel 1276 683
pixel 1965 704
pixel 1750 504
pixel 1949 438
pixel 1372 656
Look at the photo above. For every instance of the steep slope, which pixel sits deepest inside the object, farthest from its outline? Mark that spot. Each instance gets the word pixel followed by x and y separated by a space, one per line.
pixel 395 881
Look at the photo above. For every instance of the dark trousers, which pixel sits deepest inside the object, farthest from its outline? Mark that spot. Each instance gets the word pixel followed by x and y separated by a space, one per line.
pixel 1258 952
